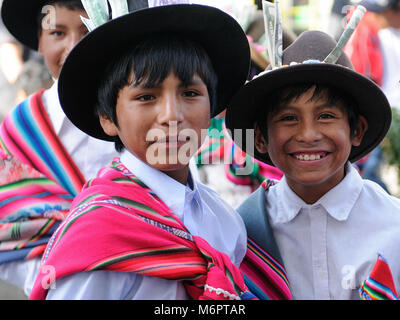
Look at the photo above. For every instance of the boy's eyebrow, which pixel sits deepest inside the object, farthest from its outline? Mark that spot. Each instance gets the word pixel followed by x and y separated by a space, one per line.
pixel 63 26
pixel 322 106
pixel 193 82
pixel 295 109
pixel 328 105
pixel 58 26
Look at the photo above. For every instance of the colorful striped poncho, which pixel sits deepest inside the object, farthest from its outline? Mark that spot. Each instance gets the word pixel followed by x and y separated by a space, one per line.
pixel 219 148
pixel 262 267
pixel 38 180
pixel 117 223
pixel 379 285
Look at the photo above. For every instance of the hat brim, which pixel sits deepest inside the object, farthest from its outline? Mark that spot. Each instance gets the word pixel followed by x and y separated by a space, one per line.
pixel 373 6
pixel 372 103
pixel 219 34
pixel 20 18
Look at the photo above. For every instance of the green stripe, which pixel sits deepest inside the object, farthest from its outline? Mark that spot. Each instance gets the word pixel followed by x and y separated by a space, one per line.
pixel 141 206
pixel 230 277
pixel 3 146
pixel 153 252
pixel 26 182
pixel 16 231
pixel 68 225
pixel 375 294
pixel 271 264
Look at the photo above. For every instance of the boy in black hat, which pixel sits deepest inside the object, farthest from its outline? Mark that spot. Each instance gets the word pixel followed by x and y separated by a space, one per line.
pixel 144 225
pixel 46 159
pixel 313 117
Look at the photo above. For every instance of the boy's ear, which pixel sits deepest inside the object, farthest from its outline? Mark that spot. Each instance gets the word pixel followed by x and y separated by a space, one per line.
pixel 360 130
pixel 259 140
pixel 108 126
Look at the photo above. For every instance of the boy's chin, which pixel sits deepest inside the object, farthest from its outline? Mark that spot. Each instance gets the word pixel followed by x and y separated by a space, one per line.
pixel 170 167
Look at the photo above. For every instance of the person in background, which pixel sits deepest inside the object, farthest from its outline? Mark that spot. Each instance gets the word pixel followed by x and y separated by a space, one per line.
pixel 45 159
pixel 374 51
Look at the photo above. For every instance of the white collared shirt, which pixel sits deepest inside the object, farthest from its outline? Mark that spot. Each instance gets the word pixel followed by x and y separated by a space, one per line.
pixel 89 154
pixel 203 212
pixel 329 247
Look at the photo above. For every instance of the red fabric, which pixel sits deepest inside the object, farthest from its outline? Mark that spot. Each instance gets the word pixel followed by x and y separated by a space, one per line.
pixel 116 223
pixel 364 50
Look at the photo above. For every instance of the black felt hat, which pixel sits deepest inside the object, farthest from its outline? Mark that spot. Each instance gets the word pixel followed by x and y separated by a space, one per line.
pixel 218 33
pixel 20 18
pixel 307 51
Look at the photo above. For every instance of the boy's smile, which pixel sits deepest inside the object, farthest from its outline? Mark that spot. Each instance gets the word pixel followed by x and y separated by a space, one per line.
pixel 56 42
pixel 310 141
pixel 162 125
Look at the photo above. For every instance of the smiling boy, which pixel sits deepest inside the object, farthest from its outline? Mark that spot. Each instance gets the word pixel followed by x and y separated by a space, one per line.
pixel 50 158
pixel 311 129
pixel 143 228
pixel 322 221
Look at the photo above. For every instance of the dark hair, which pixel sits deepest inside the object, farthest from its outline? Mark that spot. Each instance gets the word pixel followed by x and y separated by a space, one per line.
pixel 395 5
pixel 149 63
pixel 69 4
pixel 283 96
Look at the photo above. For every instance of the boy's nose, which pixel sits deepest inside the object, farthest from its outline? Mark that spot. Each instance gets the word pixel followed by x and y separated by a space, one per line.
pixel 72 40
pixel 171 111
pixel 308 133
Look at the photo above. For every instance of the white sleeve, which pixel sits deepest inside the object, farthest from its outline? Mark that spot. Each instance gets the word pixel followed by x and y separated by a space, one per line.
pixel 21 274
pixel 93 285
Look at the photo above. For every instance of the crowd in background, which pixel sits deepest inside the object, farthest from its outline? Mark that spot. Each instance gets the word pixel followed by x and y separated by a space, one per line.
pixel 374 51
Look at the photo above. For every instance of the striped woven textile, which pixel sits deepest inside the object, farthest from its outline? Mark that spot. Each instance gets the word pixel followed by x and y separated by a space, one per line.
pixel 264 276
pixel 117 223
pixel 219 148
pixel 28 134
pixel 379 285
pixel 38 181
pixel 213 150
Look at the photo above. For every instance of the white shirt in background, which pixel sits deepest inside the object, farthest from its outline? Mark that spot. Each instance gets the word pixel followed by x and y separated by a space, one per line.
pixel 389 39
pixel 88 153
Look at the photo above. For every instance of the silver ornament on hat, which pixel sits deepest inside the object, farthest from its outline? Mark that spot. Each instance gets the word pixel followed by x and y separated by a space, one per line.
pixel 98 10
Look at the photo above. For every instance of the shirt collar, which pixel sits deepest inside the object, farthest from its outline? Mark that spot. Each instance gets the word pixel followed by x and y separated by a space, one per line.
pixel 338 202
pixel 52 105
pixel 170 191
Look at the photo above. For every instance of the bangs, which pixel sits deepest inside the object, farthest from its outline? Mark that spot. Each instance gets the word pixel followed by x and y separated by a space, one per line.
pixel 148 64
pixel 330 94
pixel 154 60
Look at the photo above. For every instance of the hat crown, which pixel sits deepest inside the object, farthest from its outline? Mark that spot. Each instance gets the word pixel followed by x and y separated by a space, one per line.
pixel 313 45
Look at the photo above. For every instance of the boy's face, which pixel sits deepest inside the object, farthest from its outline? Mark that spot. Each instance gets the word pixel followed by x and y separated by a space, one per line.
pixel 309 140
pixel 57 40
pixel 162 126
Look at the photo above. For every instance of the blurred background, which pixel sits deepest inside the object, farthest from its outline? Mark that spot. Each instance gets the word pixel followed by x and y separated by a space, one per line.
pixel 23 72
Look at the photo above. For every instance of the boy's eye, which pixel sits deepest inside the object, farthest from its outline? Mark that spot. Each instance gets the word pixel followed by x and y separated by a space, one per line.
pixel 57 33
pixel 190 93
pixel 288 118
pixel 326 116
pixel 145 97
